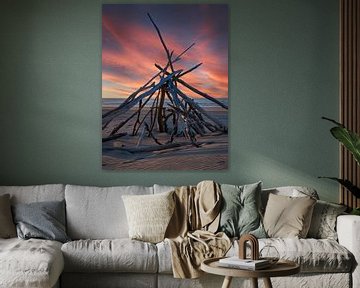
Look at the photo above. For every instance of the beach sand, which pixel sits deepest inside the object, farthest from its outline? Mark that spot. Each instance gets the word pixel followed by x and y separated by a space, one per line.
pixel 120 154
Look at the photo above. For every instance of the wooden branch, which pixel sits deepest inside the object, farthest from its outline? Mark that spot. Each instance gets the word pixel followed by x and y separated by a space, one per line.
pixel 113 137
pixel 138 116
pixel 128 119
pixel 159 147
pixel 136 100
pixel 141 137
pixel 188 71
pixel 114 131
pixel 131 97
pixel 197 110
pixel 142 121
pixel 192 103
pixel 160 108
pixel 169 97
pixel 153 108
pixel 151 134
pixel 182 53
pixel 162 42
pixel 172 92
pixel 207 96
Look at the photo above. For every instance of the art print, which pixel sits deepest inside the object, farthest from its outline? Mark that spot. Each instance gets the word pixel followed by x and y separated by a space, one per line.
pixel 164 87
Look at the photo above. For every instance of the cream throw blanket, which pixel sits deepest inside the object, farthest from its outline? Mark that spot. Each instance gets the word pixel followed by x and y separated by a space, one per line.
pixel 191 231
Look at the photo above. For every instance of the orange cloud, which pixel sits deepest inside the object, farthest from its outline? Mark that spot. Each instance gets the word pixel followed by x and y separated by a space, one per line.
pixel 129 62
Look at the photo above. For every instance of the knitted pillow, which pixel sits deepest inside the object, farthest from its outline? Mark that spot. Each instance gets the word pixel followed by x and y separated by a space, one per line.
pixel 149 215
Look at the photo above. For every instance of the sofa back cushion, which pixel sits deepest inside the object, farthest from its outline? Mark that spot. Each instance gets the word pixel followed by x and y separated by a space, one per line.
pixel 98 213
pixel 36 193
pixel 163 188
pixel 290 191
pixel 7 226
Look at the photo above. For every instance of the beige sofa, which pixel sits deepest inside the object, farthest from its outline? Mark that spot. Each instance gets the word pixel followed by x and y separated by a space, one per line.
pixel 101 254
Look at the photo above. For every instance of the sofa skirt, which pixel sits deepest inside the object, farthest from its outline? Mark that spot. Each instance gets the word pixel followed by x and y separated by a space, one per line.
pixel 308 280
pixel 134 280
pixel 108 280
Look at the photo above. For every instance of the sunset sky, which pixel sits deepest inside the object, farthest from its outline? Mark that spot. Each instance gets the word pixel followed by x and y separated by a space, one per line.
pixel 131 46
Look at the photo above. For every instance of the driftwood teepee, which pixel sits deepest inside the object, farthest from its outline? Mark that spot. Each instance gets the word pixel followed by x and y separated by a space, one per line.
pixel 169 111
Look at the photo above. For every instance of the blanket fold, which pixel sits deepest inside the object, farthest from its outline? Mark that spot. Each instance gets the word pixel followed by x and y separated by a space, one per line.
pixel 191 231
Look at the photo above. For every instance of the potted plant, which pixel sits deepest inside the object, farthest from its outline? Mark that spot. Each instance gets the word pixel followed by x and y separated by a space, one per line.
pixel 351 141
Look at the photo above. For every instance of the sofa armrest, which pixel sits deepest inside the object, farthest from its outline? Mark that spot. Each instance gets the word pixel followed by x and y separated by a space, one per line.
pixel 348 230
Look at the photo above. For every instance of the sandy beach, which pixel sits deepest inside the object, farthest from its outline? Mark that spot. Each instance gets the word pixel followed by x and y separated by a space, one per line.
pixel 131 153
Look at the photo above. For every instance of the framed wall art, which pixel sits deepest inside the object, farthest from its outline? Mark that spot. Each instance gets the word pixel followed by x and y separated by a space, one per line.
pixel 165 87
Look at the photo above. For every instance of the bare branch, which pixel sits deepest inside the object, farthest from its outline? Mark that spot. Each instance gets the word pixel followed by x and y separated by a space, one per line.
pixel 182 53
pixel 133 102
pixel 188 71
pixel 192 103
pixel 207 96
pixel 162 42
pixel 113 137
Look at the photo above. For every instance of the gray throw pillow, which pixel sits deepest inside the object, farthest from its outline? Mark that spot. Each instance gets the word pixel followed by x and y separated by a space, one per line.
pixel 323 222
pixel 240 213
pixel 7 227
pixel 44 220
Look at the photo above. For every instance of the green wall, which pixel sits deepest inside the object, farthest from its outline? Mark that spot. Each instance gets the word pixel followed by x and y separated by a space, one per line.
pixel 283 78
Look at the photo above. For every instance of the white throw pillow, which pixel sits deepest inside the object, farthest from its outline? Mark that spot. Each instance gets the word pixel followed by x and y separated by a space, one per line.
pixel 149 215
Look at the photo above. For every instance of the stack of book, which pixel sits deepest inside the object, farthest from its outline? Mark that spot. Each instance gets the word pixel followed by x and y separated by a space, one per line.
pixel 248 264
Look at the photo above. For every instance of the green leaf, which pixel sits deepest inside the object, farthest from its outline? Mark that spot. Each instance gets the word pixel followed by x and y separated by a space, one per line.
pixel 349 139
pixel 347 184
pixel 355 211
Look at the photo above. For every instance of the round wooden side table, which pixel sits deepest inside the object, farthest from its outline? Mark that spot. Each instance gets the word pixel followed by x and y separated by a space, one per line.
pixel 281 268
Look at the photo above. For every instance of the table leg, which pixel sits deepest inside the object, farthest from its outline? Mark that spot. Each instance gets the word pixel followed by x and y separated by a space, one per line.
pixel 227 282
pixel 254 282
pixel 267 283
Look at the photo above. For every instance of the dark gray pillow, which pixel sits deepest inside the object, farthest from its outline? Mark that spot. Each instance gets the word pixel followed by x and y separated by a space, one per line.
pixel 44 220
pixel 240 213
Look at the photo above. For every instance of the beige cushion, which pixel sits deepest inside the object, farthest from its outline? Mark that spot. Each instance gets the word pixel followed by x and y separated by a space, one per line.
pixel 287 217
pixel 293 191
pixel 149 215
pixel 7 226
pixel 30 263
pixel 110 255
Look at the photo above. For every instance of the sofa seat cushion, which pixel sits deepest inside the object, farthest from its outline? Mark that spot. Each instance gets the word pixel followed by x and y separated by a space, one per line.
pixel 115 255
pixel 313 255
pixel 30 263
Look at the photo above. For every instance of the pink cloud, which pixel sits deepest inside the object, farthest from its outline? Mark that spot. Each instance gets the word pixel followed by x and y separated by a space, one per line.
pixel 131 65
